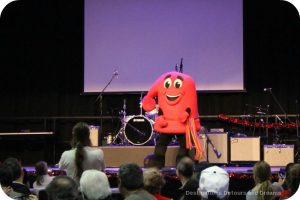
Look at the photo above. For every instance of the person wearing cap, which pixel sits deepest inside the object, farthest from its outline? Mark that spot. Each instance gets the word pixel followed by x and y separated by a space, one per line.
pixel 214 184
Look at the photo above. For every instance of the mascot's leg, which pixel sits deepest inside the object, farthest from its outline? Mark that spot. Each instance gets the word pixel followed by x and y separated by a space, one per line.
pixel 183 151
pixel 161 148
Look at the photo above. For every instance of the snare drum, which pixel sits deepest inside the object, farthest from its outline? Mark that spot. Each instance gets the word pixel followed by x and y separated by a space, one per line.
pixel 138 130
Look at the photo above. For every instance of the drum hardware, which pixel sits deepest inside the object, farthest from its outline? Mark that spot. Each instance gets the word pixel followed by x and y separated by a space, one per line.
pixel 141 104
pixel 121 133
pixel 135 129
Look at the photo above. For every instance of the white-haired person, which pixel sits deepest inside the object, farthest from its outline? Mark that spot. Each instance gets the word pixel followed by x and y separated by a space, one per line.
pixel 94 185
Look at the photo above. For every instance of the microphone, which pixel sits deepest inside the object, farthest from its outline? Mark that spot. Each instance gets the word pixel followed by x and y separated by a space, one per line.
pixel 267 89
pixel 218 153
pixel 116 73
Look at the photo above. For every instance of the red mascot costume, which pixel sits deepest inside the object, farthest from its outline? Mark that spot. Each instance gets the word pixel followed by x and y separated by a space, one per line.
pixel 177 113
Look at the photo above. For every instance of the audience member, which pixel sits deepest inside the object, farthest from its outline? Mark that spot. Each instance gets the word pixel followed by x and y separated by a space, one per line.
pixel 293 179
pixel 131 183
pixel 153 183
pixel 214 183
pixel 17 174
pixel 94 185
pixel 81 157
pixel 6 182
pixel 62 188
pixel 285 193
pixel 42 176
pixel 184 171
pixel 263 187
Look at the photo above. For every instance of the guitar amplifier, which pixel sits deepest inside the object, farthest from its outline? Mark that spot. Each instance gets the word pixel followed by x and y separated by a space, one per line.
pixel 244 149
pixel 279 154
pixel 94 135
pixel 220 142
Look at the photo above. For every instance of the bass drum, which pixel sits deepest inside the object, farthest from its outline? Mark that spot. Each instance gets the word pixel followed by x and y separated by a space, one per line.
pixel 138 130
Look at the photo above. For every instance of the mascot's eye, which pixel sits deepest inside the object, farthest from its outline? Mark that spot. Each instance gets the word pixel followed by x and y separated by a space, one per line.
pixel 168 83
pixel 178 83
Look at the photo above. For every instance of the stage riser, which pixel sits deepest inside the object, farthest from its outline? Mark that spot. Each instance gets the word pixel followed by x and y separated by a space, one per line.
pixel 114 156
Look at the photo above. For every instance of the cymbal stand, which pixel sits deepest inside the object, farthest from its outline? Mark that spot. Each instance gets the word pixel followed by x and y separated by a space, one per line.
pixel 121 133
pixel 141 105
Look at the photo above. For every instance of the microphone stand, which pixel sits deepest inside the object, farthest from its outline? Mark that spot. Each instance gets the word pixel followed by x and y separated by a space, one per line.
pixel 100 98
pixel 280 107
pixel 282 110
pixel 208 140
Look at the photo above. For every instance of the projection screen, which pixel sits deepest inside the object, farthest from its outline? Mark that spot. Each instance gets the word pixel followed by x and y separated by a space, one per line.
pixel 142 39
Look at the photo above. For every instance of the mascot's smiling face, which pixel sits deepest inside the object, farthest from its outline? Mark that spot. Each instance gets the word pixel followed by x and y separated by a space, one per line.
pixel 175 87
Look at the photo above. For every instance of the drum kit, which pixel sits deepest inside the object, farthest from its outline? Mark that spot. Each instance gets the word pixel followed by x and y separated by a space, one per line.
pixel 135 129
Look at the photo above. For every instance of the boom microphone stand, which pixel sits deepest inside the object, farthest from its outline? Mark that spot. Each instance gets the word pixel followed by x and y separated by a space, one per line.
pixel 100 98
pixel 208 140
pixel 281 109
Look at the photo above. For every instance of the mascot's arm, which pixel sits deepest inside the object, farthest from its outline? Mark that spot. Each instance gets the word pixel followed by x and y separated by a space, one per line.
pixel 148 102
pixel 185 115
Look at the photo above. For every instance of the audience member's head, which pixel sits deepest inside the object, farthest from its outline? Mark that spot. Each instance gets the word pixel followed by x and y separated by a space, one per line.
pixel 130 178
pixel 153 180
pixel 62 188
pixel 94 185
pixel 81 135
pixel 6 178
pixel 185 168
pixel 293 178
pixel 262 175
pixel 214 183
pixel 261 172
pixel 41 169
pixel 15 166
pixel 81 138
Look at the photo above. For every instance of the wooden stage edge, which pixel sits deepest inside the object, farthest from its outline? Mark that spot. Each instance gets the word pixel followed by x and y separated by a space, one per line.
pixel 114 156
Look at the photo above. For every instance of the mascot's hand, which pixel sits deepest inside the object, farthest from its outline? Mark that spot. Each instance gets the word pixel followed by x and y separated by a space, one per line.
pixel 161 122
pixel 183 117
pixel 148 103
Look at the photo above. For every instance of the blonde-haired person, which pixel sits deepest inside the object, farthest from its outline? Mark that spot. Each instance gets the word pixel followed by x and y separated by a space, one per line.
pixel 263 186
pixel 153 183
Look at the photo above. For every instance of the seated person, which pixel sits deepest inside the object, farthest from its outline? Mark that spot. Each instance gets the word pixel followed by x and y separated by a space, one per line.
pixel 6 182
pixel 153 183
pixel 42 176
pixel 17 174
pixel 94 185
pixel 185 171
pixel 131 183
pixel 263 186
pixel 293 179
pixel 62 188
pixel 214 184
